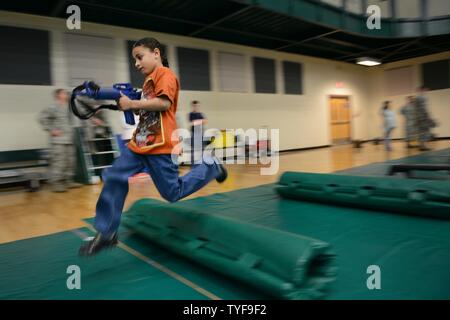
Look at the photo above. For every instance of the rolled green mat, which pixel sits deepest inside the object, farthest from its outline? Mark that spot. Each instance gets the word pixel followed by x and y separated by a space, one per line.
pixel 388 194
pixel 281 264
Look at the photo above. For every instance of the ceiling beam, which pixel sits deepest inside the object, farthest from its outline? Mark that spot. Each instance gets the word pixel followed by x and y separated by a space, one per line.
pixel 416 49
pixel 344 43
pixel 196 32
pixel 435 50
pixel 399 49
pixel 139 13
pixel 434 47
pixel 322 48
pixel 405 57
pixel 371 51
pixel 308 39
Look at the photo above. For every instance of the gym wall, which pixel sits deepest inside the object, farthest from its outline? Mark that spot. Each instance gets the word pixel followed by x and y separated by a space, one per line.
pixel 303 119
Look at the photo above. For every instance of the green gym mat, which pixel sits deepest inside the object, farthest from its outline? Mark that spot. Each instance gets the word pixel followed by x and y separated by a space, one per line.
pixel 36 268
pixel 280 264
pixel 426 198
pixel 382 168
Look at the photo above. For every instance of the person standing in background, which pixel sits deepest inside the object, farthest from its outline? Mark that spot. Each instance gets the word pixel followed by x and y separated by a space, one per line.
pixel 424 121
pixel 196 120
pixel 409 112
pixel 56 119
pixel 389 124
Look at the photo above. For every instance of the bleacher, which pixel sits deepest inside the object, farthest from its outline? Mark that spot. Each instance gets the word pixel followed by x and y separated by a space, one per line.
pixel 26 168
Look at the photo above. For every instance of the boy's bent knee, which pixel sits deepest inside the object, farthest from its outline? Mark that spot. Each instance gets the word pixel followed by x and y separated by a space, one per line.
pixel 171 197
pixel 113 176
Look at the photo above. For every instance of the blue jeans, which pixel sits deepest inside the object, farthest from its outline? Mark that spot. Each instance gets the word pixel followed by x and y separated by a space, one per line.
pixel 164 174
pixel 387 138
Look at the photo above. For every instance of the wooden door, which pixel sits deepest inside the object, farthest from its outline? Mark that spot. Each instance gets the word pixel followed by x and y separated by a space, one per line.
pixel 340 119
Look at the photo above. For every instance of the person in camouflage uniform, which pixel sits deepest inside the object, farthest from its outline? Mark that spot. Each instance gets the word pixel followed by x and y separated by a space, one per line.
pixel 56 119
pixel 424 121
pixel 409 112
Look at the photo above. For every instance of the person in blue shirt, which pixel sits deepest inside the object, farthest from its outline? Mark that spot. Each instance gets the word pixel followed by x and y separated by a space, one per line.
pixel 389 124
pixel 197 121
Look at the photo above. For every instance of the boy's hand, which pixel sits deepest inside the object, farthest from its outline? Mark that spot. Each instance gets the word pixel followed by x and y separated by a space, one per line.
pixel 125 103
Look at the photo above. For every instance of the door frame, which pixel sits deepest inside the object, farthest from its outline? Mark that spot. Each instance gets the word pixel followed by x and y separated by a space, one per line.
pixel 348 97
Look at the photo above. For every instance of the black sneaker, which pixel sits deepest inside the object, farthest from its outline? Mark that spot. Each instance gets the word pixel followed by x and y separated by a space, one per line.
pixel 223 173
pixel 97 244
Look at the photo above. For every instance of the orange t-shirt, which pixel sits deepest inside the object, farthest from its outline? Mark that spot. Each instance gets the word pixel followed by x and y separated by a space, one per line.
pixel 153 134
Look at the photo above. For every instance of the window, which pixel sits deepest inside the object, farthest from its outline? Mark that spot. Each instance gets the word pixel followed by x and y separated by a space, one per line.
pixel 18 63
pixel 233 73
pixel 436 74
pixel 292 72
pixel 90 58
pixel 193 67
pixel 264 75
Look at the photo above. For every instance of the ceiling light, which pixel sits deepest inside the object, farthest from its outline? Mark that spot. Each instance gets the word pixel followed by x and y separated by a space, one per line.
pixel 368 62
